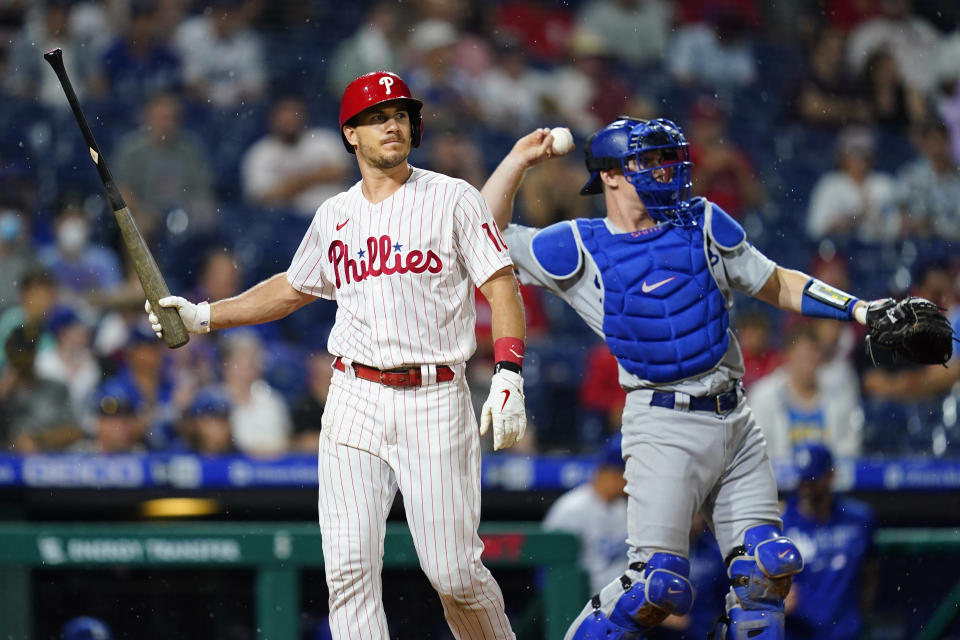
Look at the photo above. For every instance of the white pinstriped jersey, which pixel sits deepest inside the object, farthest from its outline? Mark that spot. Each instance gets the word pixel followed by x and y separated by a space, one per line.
pixel 402 271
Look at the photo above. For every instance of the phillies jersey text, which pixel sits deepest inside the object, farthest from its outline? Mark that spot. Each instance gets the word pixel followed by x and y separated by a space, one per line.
pixel 403 271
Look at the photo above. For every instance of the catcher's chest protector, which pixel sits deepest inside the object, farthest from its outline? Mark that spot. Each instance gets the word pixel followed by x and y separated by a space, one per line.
pixel 665 318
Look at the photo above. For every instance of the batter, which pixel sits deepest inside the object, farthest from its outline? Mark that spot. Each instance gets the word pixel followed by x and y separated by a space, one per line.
pixel 401 252
pixel 655 279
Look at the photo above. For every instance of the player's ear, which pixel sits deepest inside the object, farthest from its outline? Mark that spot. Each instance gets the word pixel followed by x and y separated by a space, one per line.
pixel 609 178
pixel 350 134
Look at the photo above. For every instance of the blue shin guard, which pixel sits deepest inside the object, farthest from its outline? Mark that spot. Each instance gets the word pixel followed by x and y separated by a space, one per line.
pixel 639 600
pixel 760 576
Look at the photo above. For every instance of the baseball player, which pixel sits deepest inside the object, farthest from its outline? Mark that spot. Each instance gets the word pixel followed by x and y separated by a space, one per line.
pixel 401 252
pixel 655 278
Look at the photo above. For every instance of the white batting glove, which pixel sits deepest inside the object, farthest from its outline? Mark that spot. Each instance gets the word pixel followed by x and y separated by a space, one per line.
pixel 504 409
pixel 196 317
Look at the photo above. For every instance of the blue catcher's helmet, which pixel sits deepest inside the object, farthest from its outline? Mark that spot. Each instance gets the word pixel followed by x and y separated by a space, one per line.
pixel 658 166
pixel 605 149
pixel 85 628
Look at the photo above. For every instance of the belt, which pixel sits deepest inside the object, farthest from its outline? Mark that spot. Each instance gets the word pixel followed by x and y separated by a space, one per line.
pixel 411 377
pixel 722 403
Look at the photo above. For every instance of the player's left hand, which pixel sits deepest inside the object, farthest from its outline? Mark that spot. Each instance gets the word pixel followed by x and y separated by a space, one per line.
pixel 533 148
pixel 504 410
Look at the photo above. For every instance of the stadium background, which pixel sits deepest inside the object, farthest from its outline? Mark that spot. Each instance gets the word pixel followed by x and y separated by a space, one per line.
pixel 489 72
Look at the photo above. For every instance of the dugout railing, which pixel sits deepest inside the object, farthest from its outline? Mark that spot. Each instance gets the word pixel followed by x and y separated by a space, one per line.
pixel 277 552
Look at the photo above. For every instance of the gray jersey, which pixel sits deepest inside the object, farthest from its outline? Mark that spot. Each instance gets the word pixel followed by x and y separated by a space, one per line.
pixel 743 268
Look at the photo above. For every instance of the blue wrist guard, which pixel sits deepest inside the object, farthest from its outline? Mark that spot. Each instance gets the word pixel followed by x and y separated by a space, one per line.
pixel 820 300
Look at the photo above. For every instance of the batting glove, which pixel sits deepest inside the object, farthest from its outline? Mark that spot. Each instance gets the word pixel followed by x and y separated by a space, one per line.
pixel 504 409
pixel 196 317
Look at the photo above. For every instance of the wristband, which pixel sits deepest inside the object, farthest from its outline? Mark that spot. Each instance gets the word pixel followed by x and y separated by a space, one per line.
pixel 510 350
pixel 820 300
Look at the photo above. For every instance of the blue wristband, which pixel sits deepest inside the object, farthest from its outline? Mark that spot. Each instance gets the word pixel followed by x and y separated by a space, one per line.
pixel 820 300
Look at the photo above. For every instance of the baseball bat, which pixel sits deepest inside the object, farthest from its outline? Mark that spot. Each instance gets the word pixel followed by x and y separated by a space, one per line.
pixel 155 287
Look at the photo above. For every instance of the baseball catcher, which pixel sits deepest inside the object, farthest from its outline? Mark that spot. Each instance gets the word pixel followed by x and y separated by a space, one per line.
pixel 913 328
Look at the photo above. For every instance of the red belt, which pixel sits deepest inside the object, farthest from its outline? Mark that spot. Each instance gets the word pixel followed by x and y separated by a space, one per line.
pixel 395 377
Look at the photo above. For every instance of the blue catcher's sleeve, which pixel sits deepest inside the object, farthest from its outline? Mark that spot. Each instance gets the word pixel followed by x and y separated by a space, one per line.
pixel 557 251
pixel 725 232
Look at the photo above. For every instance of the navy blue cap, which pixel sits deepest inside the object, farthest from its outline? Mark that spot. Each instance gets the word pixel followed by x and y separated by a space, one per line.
pixel 612 454
pixel 812 460
pixel 85 628
pixel 60 318
pixel 605 150
pixel 115 397
pixel 141 333
pixel 210 402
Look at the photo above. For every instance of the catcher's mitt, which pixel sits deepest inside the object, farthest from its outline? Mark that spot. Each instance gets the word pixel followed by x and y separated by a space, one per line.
pixel 913 328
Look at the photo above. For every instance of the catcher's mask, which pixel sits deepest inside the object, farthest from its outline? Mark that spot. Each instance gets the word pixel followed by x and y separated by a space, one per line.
pixel 605 149
pixel 375 88
pixel 658 166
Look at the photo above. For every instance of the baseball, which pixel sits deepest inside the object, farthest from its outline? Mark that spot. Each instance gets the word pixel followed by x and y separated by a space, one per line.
pixel 562 140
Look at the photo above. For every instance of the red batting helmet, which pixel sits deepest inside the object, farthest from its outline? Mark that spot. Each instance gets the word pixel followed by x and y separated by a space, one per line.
pixel 373 88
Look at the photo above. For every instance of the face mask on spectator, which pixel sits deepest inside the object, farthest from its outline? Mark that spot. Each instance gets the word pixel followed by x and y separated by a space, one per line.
pixel 9 226
pixel 72 235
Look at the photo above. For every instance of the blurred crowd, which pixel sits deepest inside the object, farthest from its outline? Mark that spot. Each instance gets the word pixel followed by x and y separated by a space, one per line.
pixel 829 128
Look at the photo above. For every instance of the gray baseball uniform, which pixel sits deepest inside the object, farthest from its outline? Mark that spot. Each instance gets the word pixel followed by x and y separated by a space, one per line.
pixel 677 461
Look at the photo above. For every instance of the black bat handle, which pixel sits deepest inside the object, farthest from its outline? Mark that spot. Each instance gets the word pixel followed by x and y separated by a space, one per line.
pixel 54 58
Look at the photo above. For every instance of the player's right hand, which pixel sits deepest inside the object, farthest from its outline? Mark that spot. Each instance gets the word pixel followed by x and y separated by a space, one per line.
pixel 196 317
pixel 533 148
pixel 504 410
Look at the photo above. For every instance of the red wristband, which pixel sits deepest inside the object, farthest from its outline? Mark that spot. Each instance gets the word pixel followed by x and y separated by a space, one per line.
pixel 509 350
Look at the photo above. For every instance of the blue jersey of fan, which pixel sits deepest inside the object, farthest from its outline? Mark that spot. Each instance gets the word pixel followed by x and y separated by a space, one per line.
pixel 828 589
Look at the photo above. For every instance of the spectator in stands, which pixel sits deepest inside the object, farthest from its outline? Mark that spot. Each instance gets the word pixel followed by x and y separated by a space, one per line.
pixel 596 511
pixel 511 93
pixel 38 294
pixel 601 397
pixel 794 406
pixel 587 91
pixel 221 276
pixel 35 413
pixel 905 400
pixel 634 31
pixel 854 199
pixel 308 408
pixel 29 76
pixel 893 105
pixel 451 153
pixel 375 45
pixel 543 27
pixel 760 355
pixel 835 535
pixel 294 167
pixel 117 422
pixel 206 425
pixel 928 189
pixel 72 362
pixel 717 54
pixel 259 419
pixel 81 269
pixel 151 386
pixel 139 63
pixel 722 171
pixel 827 94
pixel 550 193
pixel 222 58
pixel 434 75
pixel 16 255
pixel 165 169
pixel 908 37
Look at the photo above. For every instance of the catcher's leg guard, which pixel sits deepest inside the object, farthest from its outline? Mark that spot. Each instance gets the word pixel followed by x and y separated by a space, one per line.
pixel 639 600
pixel 760 575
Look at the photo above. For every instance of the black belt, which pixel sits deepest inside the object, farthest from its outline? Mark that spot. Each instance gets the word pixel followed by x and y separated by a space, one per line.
pixel 722 403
